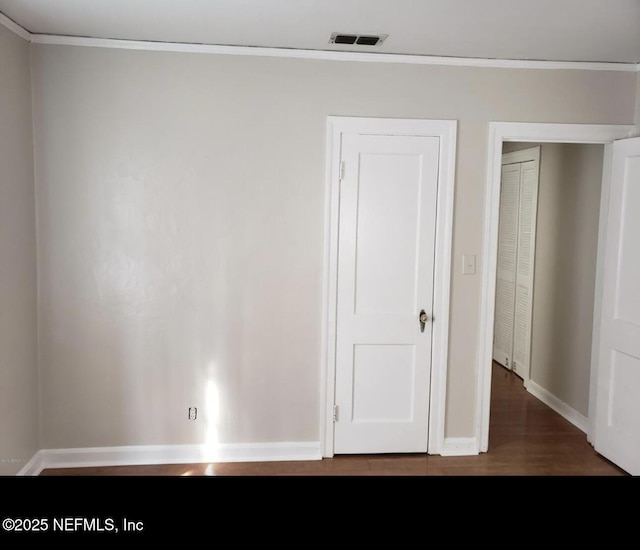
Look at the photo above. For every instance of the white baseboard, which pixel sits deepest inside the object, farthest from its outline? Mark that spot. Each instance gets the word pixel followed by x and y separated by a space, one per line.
pixel 33 467
pixel 581 422
pixel 460 446
pixel 168 454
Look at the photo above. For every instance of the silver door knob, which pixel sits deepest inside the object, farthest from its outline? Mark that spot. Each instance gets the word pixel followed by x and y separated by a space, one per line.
pixel 424 319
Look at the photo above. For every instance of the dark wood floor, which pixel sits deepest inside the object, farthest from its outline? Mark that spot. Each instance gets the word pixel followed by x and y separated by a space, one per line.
pixel 526 438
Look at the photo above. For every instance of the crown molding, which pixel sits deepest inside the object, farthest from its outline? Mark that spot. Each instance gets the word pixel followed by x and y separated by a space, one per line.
pixel 13 26
pixel 329 55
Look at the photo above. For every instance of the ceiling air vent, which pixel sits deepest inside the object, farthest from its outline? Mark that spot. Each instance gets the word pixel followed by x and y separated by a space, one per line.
pixel 357 39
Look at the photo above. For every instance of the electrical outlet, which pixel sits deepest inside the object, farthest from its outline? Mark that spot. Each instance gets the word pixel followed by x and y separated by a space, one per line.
pixel 193 413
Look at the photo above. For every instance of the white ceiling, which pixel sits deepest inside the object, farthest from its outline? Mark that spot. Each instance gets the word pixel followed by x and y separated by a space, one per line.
pixel 549 30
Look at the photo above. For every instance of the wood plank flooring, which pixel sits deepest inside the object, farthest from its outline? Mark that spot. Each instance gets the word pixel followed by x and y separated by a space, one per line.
pixel 526 438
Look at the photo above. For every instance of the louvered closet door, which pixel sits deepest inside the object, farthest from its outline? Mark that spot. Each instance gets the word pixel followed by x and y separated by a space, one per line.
pixel 507 260
pixel 516 257
pixel 524 268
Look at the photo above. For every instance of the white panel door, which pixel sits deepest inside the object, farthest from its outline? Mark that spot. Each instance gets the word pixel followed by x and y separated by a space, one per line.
pixel 385 278
pixel 507 262
pixel 617 429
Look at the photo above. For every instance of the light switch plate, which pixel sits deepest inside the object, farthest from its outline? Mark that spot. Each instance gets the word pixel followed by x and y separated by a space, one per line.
pixel 469 264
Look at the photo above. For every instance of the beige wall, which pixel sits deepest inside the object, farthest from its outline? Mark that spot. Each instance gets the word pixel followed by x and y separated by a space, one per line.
pixel 568 236
pixel 638 106
pixel 565 268
pixel 181 226
pixel 19 438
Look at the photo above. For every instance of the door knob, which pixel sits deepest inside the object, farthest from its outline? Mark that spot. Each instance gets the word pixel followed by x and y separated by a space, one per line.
pixel 424 319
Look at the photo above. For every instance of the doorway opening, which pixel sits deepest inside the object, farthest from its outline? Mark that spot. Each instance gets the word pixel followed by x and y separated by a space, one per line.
pixel 532 133
pixel 547 253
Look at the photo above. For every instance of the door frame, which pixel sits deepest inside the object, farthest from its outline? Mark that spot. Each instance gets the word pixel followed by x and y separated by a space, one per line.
pixel 500 132
pixel 446 130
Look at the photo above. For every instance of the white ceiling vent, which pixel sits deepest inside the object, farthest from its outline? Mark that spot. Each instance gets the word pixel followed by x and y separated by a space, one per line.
pixel 357 39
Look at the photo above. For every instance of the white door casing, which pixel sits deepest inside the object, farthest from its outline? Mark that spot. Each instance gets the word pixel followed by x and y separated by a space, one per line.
pixel 374 293
pixel 617 435
pixel 499 132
